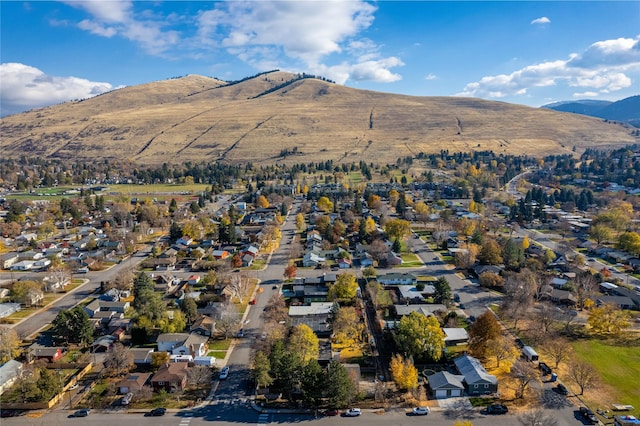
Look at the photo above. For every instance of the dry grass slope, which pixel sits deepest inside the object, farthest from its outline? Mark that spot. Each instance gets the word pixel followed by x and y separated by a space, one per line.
pixel 198 118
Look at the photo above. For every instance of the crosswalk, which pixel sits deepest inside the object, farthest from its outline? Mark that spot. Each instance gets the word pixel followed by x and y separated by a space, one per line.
pixel 263 419
pixel 186 419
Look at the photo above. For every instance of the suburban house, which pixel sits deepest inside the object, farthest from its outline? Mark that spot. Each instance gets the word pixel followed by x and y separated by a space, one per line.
pixel 424 309
pixel 9 373
pixel 476 379
pixel 93 308
pixel 397 279
pixel 316 316
pixel 133 383
pixel 455 336
pixel 8 260
pixel 49 354
pixel 171 377
pixel 446 385
pixel 183 344
pixel 141 356
pixel 204 325
pixel 312 259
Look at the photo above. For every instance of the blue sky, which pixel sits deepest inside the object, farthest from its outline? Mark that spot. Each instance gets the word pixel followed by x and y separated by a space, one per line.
pixel 529 53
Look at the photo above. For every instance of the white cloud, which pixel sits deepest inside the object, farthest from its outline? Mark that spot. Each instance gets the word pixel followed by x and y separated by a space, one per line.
pixel 24 87
pixel 306 32
pixel 585 95
pixel 430 77
pixel 541 21
pixel 111 18
pixel 605 66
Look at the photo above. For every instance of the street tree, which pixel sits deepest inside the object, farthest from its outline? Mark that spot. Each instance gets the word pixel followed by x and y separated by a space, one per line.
pixel 607 320
pixel 345 287
pixel 299 221
pixel 260 370
pixel 378 250
pixel 467 257
pixel 199 375
pixel 405 374
pixel 502 350
pixel 442 291
pixel 228 319
pixel 338 385
pixel 9 344
pixel 73 326
pixel 558 349
pixel 484 330
pixel 524 374
pixel 290 271
pixel 397 229
pixel 583 374
pixel 420 336
pixel 537 417
pixel 304 342
pixel 262 202
pixel 586 285
pixel 119 360
pixel 491 253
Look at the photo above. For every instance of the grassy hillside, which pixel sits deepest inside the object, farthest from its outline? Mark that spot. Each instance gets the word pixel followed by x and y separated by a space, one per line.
pixel 196 118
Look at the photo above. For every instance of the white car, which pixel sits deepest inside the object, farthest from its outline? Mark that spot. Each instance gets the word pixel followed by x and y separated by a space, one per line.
pixel 352 412
pixel 420 411
pixel 224 373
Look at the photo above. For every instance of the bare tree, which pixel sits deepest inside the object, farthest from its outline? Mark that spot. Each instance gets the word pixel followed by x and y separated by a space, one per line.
pixel 585 375
pixel 545 316
pixel 537 418
pixel 585 285
pixel 199 375
pixel 502 349
pixel 239 286
pixel 524 373
pixel 558 349
pixel 228 319
pixel 59 277
pixel 119 360
pixel 378 250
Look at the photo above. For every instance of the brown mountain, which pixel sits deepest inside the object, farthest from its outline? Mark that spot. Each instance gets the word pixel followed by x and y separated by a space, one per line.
pixel 258 119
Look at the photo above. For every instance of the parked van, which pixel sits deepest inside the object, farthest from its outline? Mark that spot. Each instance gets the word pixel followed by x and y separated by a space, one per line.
pixel 529 353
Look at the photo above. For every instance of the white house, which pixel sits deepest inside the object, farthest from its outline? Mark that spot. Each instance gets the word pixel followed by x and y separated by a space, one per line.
pixel 183 344
pixel 9 373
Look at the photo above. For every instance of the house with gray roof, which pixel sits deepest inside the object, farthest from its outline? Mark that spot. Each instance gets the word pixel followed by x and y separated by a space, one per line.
pixel 476 379
pixel 445 385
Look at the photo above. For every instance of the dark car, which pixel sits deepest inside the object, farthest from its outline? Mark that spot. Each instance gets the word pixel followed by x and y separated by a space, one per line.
pixel 546 370
pixel 588 415
pixel 562 389
pixel 497 409
pixel 156 412
pixel 330 412
pixel 81 413
pixel 456 297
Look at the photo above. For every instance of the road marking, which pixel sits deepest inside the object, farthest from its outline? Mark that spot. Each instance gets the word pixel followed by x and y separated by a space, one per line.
pixel 263 419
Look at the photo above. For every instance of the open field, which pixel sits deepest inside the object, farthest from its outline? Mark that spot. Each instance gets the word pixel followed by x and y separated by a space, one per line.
pixel 619 368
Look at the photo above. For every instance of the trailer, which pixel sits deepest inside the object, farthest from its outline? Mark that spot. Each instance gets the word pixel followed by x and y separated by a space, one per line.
pixel 530 354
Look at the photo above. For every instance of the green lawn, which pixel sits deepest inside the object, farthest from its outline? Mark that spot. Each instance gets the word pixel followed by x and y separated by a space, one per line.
pixel 410 260
pixel 219 345
pixel 619 367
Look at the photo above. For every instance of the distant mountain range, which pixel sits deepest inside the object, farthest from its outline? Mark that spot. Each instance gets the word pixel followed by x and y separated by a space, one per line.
pixel 626 110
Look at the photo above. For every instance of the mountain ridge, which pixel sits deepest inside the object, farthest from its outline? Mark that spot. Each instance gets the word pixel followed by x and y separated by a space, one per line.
pixel 625 110
pixel 262 118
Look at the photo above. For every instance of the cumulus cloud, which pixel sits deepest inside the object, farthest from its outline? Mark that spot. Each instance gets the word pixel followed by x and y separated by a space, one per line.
pixel 111 18
pixel 430 77
pixel 305 32
pixel 541 21
pixel 604 67
pixel 24 87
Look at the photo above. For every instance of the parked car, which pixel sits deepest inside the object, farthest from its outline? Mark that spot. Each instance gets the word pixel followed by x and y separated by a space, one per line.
pixel 456 297
pixel 330 412
pixel 353 412
pixel 241 332
pixel 126 400
pixel 462 306
pixel 252 302
pixel 588 415
pixel 156 412
pixel 562 389
pixel 546 370
pixel 420 411
pixel 81 413
pixel 224 373
pixel 497 409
